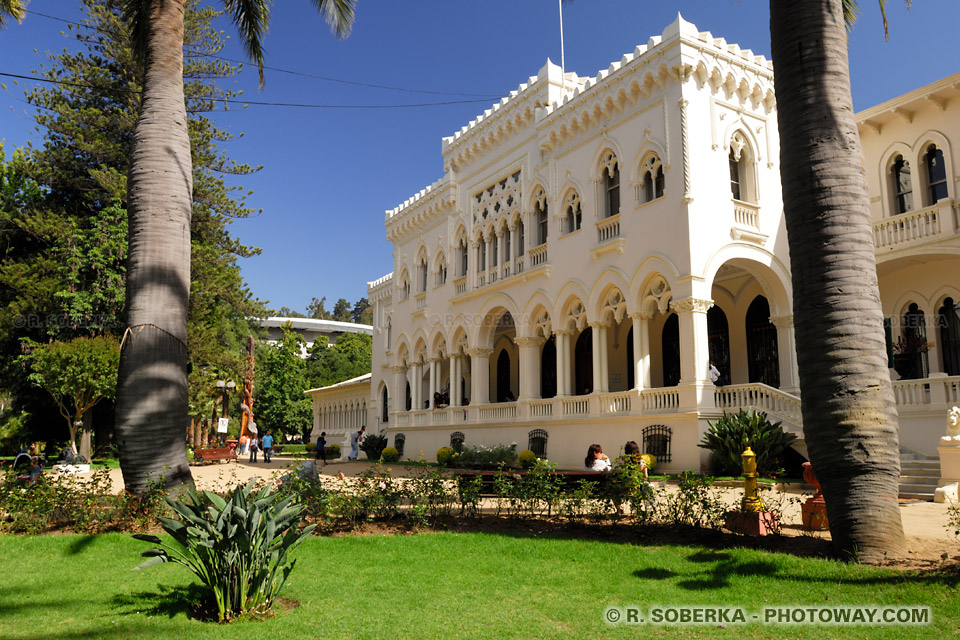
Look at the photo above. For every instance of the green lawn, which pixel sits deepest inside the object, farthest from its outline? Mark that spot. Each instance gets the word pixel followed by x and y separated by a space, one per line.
pixel 450 585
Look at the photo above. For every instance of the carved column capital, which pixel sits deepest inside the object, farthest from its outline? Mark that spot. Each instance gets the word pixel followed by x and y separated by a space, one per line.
pixel 480 352
pixel 782 322
pixel 529 341
pixel 641 315
pixel 691 305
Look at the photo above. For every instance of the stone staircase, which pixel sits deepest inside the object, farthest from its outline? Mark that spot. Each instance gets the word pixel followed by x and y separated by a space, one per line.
pixel 919 475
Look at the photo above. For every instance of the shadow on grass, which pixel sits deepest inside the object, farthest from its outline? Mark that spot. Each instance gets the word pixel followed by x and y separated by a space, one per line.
pixel 166 601
pixel 80 544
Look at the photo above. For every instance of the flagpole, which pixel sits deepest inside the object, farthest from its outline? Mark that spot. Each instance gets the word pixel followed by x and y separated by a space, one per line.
pixel 563 67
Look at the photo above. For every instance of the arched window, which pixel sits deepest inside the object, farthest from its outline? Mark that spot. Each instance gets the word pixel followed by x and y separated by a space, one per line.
pixel 404 285
pixel 572 214
pixel 384 406
pixel 741 177
pixel 463 257
pixel 441 270
pixel 670 346
pixel 610 169
pixel 521 242
pixel 949 322
pixel 482 256
pixel 398 441
pixel 389 333
pixel 541 222
pixel 651 179
pixel 537 442
pixel 409 399
pixel 548 369
pixel 456 441
pixel 503 377
pixel 583 363
pixel 936 175
pixel 902 185
pixel 910 350
pixel 718 342
pixel 763 355
pixel 495 247
pixel 423 274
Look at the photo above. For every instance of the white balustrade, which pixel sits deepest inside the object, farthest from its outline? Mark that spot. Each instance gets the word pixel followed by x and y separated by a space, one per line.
pixel 576 406
pixel 460 285
pixel 499 411
pixel 403 420
pixel 541 408
pixel 659 400
pixel 953 389
pixel 518 264
pixel 421 301
pixel 618 402
pixel 441 416
pixel 911 393
pixel 746 214
pixel 907 227
pixel 759 397
pixel 482 279
pixel 608 229
pixel 421 418
pixel 538 255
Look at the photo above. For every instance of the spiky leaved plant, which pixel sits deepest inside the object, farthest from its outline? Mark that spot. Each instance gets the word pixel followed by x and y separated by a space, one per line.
pixel 239 547
pixel 734 432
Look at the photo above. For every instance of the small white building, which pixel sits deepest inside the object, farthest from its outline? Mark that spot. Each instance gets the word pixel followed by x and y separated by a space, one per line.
pixel 594 243
pixel 340 409
pixel 311 329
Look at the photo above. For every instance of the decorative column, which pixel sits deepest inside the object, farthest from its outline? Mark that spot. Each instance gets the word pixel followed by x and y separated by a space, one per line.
pixel 472 273
pixel 399 388
pixel 641 349
pixel 563 361
pixel 694 352
pixel 529 366
pixel 434 378
pixel 513 245
pixel 416 390
pixel 599 338
pixel 489 264
pixel 787 352
pixel 501 249
pixel 480 375
pixel 454 380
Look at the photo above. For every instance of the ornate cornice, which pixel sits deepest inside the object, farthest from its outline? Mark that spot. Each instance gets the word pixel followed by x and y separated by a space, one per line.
pixel 691 305
pixel 480 352
pixel 529 341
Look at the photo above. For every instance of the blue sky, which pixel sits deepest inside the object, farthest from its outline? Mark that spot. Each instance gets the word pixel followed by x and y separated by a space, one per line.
pixel 329 174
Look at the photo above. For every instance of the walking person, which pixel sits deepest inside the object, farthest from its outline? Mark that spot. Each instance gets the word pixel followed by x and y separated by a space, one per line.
pixel 254 447
pixel 267 444
pixel 322 448
pixel 355 444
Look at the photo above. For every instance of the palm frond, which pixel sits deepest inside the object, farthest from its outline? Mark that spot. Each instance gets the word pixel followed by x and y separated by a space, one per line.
pixel 851 11
pixel 338 14
pixel 252 18
pixel 136 13
pixel 12 8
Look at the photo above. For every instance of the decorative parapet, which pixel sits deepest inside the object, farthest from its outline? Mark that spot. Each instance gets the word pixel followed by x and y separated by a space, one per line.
pixel 440 198
pixel 380 288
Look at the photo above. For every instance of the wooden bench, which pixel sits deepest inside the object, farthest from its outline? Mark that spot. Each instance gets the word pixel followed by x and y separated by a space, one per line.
pixel 201 456
pixel 568 479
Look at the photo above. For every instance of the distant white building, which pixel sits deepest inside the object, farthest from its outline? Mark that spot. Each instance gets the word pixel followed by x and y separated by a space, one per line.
pixel 311 329
pixel 594 243
pixel 340 409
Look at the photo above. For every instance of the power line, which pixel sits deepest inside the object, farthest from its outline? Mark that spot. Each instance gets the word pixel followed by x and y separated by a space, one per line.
pixel 487 96
pixel 253 102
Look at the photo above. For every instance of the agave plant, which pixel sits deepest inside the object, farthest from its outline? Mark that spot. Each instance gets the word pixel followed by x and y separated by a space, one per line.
pixel 734 432
pixel 239 547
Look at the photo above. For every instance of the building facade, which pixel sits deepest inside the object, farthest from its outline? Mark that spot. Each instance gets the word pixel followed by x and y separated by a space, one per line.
pixel 594 244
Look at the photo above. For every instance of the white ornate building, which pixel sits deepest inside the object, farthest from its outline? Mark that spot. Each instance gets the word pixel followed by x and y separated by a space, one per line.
pixel 595 242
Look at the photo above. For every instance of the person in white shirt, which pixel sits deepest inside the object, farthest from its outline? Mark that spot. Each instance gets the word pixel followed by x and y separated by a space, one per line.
pixel 714 374
pixel 596 459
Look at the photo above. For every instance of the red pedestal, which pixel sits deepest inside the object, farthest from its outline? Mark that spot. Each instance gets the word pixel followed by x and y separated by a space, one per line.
pixel 752 523
pixel 814 514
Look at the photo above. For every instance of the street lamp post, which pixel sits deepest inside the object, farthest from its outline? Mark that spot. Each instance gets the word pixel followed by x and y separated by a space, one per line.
pixel 225 388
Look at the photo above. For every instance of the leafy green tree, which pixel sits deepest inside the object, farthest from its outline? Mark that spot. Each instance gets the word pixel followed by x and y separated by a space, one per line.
pixel 13 9
pixel 362 312
pixel 849 412
pixel 281 379
pixel 341 311
pixel 287 312
pixel 78 374
pixel 317 311
pixel 349 357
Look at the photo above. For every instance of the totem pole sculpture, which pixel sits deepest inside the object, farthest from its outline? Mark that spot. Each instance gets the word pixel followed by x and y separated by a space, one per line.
pixel 247 426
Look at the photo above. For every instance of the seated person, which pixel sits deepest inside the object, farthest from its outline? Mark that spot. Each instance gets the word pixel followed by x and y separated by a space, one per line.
pixel 36 470
pixel 596 459
pixel 631 454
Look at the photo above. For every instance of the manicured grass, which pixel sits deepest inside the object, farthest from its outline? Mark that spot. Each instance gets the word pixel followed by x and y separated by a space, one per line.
pixel 449 585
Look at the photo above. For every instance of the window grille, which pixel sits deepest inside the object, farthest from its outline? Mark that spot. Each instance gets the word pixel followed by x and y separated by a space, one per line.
pixel 456 441
pixel 537 442
pixel 656 441
pixel 398 441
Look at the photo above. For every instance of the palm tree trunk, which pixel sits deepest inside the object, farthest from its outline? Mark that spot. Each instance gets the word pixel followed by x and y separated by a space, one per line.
pixel 152 382
pixel 849 412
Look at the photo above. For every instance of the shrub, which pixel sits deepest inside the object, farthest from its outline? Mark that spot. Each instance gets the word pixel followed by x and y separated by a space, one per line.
pixel 651 461
pixel 373 445
pixel 333 450
pixel 310 447
pixel 238 547
pixel 527 458
pixel 444 454
pixel 733 433
pixel 390 454
pixel 484 457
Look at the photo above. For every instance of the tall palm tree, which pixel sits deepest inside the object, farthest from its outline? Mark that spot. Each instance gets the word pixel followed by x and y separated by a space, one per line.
pixel 849 412
pixel 152 411
pixel 13 9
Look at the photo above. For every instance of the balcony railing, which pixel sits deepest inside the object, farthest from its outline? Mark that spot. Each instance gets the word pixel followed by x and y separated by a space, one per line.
pixel 518 264
pixel 460 285
pixel 482 279
pixel 421 418
pixel 911 393
pixel 746 214
pixel 421 300
pixel 608 229
pixel 441 416
pixel 505 270
pixel 759 397
pixel 659 400
pixel 499 411
pixel 541 408
pixel 538 255
pixel 911 227
pixel 492 275
pixel 576 406
pixel 618 402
